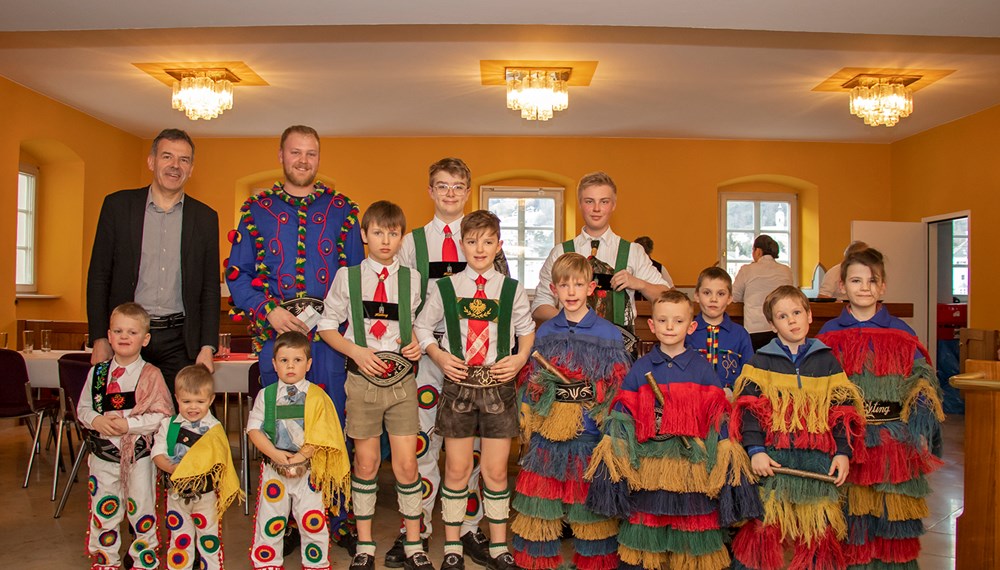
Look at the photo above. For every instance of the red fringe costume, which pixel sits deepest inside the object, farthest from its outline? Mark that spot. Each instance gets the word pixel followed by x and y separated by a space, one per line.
pixel 886 361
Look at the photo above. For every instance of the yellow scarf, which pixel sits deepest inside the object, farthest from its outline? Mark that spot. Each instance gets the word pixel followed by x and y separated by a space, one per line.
pixel 210 457
pixel 330 467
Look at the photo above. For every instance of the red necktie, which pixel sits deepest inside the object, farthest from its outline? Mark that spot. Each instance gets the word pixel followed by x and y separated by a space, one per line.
pixel 477 341
pixel 448 250
pixel 113 387
pixel 378 328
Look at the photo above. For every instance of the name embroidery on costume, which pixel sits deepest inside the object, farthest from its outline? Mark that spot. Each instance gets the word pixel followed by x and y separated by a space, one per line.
pixel 880 412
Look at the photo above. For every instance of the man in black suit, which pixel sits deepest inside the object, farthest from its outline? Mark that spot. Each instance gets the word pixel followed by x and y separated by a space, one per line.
pixel 160 248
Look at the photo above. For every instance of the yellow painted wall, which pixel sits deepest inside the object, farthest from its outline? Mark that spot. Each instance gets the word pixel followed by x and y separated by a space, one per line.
pixel 951 168
pixel 668 189
pixel 81 159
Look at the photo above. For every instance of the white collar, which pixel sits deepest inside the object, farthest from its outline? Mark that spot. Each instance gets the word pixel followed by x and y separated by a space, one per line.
pixel 456 227
pixel 130 369
pixel 377 267
pixel 473 274
pixel 605 238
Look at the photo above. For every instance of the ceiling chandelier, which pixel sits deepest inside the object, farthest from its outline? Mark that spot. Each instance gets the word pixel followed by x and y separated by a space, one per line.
pixel 537 92
pixel 203 93
pixel 881 99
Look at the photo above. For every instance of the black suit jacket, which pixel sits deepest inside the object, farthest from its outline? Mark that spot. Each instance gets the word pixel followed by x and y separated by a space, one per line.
pixel 114 266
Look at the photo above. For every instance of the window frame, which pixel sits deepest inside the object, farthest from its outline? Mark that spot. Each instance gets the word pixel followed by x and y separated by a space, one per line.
pixel 557 193
pixel 794 238
pixel 961 296
pixel 31 212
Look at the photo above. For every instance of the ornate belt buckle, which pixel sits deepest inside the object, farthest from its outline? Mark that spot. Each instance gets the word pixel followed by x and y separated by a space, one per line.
pixel 398 368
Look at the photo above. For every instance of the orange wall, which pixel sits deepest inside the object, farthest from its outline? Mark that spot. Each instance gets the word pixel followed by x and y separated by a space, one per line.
pixel 668 189
pixel 81 159
pixel 951 168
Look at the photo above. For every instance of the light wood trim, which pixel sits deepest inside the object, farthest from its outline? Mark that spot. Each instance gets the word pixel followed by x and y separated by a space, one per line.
pixel 974 381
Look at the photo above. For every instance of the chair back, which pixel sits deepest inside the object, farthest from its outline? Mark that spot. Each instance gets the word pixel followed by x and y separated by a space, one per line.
pixel 13 385
pixel 73 371
pixel 253 381
pixel 241 345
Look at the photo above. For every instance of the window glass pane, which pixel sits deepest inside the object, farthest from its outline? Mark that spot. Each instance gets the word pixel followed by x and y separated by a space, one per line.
pixel 739 215
pixel 960 227
pixel 532 267
pixel 540 212
pixel 783 247
pixel 23 269
pixel 25 191
pixel 960 281
pixel 960 251
pixel 506 209
pixel 775 215
pixel 23 229
pixel 739 245
pixel 734 267
pixel 538 243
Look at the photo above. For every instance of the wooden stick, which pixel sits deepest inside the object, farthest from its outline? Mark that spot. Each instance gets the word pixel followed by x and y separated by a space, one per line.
pixel 656 389
pixel 551 368
pixel 805 474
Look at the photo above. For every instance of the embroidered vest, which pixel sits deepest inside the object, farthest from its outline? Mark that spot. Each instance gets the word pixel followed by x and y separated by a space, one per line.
pixel 103 401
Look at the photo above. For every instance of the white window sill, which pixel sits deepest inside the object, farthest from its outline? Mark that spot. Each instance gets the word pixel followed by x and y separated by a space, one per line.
pixel 35 297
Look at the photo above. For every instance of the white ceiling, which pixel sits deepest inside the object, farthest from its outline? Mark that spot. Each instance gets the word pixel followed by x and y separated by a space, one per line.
pixel 694 69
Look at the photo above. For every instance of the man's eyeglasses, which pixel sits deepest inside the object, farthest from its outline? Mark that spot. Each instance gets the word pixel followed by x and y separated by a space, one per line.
pixel 442 188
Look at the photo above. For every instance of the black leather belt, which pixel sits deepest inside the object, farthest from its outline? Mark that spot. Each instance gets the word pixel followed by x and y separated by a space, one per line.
pixel 575 392
pixel 481 377
pixel 398 369
pixel 166 322
pixel 107 451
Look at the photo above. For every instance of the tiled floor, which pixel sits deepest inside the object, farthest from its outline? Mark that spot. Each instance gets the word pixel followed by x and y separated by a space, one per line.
pixel 30 538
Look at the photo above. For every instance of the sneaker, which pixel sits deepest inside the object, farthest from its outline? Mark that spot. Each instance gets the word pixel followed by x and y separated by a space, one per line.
pixel 291 540
pixel 396 556
pixel 348 542
pixel 453 561
pixel 363 562
pixel 477 547
pixel 503 562
pixel 418 561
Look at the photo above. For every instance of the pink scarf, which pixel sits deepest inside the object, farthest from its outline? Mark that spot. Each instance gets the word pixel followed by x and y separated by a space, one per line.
pixel 151 396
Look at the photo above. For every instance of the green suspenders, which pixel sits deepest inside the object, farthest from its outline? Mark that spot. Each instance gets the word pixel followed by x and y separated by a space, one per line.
pixel 616 299
pixel 451 317
pixel 357 310
pixel 273 412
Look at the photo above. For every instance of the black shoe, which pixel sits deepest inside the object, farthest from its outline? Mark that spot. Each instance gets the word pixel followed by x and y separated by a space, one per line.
pixel 503 562
pixel 453 561
pixel 418 561
pixel 477 547
pixel 396 555
pixel 291 540
pixel 363 562
pixel 349 542
pixel 567 531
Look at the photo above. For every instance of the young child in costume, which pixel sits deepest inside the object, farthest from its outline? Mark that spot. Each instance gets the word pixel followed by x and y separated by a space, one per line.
pixel 883 356
pixel 377 299
pixel 666 466
pixel 564 398
pixel 725 344
pixel 306 468
pixel 192 447
pixel 483 313
pixel 123 402
pixel 795 408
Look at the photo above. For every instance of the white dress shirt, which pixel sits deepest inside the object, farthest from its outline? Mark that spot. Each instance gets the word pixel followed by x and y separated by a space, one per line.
pixel 143 424
pixel 337 305
pixel 638 265
pixel 753 283
pixel 432 316
pixel 434 232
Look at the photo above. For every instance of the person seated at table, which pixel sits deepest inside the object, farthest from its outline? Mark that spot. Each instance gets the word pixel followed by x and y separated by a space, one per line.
pixel 378 299
pixel 123 401
pixel 193 449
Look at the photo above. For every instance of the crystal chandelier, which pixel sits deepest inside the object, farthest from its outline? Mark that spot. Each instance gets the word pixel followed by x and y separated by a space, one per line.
pixel 881 100
pixel 537 92
pixel 203 94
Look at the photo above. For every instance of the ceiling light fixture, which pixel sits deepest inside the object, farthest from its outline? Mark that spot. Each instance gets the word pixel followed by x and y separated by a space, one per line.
pixel 203 93
pixel 881 99
pixel 537 92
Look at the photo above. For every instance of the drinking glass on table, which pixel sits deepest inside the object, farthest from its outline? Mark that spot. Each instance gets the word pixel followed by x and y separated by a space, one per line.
pixel 224 342
pixel 29 341
pixel 3 340
pixel 46 340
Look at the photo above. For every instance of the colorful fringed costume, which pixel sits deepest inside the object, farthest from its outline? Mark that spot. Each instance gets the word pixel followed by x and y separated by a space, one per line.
pixel 201 488
pixel 559 419
pixel 884 358
pixel 666 467
pixel 801 411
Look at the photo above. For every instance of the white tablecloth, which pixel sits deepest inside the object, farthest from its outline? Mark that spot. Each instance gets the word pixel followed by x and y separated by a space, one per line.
pixel 43 371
